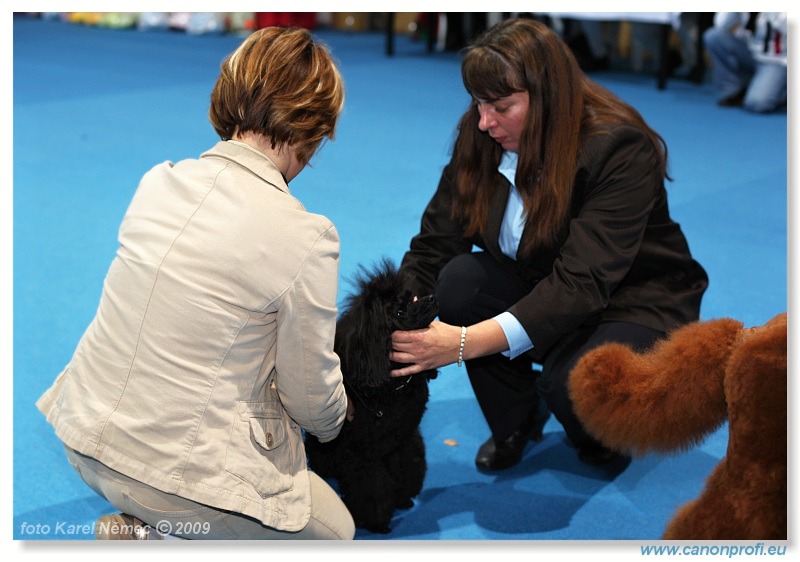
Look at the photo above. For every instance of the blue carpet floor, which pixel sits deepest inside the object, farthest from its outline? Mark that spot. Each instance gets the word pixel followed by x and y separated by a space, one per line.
pixel 93 109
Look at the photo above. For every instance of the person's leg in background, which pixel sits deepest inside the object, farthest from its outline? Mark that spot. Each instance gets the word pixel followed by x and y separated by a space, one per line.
pixel 586 40
pixel 594 31
pixel 645 39
pixel 767 89
pixel 692 50
pixel 688 35
pixel 732 65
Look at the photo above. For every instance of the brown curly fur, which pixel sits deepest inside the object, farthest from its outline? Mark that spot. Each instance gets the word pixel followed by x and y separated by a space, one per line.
pixel 672 396
pixel 625 399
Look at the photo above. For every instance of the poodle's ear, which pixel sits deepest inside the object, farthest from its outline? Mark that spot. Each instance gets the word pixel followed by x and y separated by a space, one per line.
pixel 664 399
pixel 374 356
pixel 363 342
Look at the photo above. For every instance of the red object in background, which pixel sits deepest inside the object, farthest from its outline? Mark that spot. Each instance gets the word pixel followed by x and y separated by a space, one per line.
pixel 427 25
pixel 307 20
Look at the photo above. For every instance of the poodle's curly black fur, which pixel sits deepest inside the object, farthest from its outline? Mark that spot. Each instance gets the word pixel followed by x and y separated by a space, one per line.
pixel 378 459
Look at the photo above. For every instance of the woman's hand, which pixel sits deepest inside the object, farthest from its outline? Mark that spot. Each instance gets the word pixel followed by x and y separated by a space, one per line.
pixel 427 348
pixel 438 345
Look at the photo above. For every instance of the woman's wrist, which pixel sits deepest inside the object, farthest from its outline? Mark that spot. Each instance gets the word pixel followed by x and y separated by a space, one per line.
pixel 461 345
pixel 479 340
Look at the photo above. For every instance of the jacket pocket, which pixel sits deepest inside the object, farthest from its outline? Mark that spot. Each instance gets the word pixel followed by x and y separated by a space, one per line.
pixel 260 450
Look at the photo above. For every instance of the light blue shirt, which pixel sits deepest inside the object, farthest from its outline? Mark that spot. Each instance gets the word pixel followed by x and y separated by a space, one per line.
pixel 510 234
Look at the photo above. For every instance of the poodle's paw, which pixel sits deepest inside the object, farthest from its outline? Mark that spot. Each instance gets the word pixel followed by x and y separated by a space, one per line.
pixel 381 528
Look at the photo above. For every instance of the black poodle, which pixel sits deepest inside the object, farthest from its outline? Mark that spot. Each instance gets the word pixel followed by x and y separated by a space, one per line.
pixel 378 459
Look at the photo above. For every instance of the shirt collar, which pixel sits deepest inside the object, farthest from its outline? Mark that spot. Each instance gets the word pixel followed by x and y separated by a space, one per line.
pixel 508 165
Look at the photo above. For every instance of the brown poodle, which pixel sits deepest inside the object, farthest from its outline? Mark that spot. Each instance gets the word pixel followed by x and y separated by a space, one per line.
pixel 671 397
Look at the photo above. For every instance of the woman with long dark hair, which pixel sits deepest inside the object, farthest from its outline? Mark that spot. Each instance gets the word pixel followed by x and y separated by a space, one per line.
pixel 549 234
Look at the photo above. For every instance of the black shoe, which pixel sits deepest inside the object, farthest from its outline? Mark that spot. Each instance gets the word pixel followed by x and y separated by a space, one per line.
pixel 735 100
pixel 595 454
pixel 494 456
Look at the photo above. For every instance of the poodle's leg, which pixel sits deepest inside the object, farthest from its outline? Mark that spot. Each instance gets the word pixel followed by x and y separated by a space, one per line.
pixel 408 465
pixel 367 493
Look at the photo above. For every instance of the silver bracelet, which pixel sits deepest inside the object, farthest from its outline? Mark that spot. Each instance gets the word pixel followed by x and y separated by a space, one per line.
pixel 461 345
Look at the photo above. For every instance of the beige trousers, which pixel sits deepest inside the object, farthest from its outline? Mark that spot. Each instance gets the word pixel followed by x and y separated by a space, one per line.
pixel 179 517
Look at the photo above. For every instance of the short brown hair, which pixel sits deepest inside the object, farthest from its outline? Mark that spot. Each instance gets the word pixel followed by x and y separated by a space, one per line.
pixel 282 84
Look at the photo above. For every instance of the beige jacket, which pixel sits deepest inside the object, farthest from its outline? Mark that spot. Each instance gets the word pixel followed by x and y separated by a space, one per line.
pixel 213 342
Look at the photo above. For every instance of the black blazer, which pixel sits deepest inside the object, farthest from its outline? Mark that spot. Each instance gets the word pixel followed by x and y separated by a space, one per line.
pixel 620 257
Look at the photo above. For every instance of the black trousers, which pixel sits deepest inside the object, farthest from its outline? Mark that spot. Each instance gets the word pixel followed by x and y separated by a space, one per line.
pixel 474 287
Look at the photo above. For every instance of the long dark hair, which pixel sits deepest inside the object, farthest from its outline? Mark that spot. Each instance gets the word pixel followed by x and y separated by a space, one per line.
pixel 523 55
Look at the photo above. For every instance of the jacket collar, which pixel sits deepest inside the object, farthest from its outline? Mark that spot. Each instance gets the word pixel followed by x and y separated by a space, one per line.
pixel 250 159
pixel 497 208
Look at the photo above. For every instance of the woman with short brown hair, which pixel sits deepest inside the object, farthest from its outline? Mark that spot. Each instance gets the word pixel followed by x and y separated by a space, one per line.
pixel 212 347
